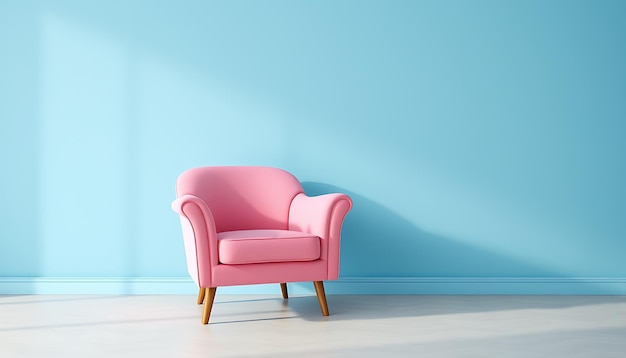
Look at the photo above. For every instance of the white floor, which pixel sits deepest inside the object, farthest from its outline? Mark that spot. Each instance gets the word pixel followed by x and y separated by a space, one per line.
pixel 359 326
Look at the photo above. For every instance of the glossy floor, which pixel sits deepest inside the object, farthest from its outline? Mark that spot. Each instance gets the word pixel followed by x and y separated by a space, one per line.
pixel 359 326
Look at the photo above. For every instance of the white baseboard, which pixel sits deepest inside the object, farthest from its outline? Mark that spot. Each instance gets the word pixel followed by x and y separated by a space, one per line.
pixel 345 285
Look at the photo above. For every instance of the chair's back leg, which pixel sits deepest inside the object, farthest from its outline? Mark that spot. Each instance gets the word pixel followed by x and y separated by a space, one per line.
pixel 283 288
pixel 201 295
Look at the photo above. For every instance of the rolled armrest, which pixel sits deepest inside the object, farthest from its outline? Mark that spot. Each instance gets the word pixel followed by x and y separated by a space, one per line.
pixel 200 236
pixel 322 216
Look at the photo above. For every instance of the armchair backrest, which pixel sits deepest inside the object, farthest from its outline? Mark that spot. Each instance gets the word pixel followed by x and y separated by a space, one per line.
pixel 243 197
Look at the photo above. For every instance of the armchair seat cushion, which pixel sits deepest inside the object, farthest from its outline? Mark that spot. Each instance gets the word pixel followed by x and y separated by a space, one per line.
pixel 263 246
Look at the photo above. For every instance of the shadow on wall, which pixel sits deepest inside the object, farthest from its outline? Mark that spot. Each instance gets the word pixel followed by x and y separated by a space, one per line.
pixel 377 242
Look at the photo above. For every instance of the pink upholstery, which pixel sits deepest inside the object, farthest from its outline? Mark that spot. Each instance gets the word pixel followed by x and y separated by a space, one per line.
pixel 263 246
pixel 242 197
pixel 251 225
pixel 322 216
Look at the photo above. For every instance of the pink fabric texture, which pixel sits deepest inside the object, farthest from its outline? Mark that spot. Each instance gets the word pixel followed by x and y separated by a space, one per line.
pixel 243 198
pixel 250 225
pixel 259 246
pixel 323 216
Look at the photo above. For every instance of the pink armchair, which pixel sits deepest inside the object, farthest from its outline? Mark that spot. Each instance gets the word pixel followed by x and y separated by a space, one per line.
pixel 253 225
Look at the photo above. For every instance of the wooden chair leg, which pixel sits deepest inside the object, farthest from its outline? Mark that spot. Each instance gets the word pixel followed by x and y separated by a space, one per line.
pixel 283 288
pixel 321 296
pixel 201 295
pixel 208 304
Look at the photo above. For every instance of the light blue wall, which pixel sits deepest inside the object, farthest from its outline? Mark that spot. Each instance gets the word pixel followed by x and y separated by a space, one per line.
pixel 479 139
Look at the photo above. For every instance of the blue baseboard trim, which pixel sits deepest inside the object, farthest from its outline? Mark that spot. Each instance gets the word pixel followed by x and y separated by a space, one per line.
pixel 96 285
pixel 480 286
pixel 345 285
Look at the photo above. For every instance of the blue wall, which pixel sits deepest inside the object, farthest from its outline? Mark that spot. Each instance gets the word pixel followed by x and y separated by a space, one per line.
pixel 479 139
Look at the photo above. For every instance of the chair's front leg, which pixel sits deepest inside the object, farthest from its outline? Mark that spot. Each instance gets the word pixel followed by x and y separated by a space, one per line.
pixel 208 304
pixel 321 296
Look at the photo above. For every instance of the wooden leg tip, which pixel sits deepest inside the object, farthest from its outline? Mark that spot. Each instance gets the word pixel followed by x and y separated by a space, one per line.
pixel 283 289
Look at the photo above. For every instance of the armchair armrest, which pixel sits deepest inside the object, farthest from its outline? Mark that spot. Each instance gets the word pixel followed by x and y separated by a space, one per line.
pixel 199 235
pixel 322 216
